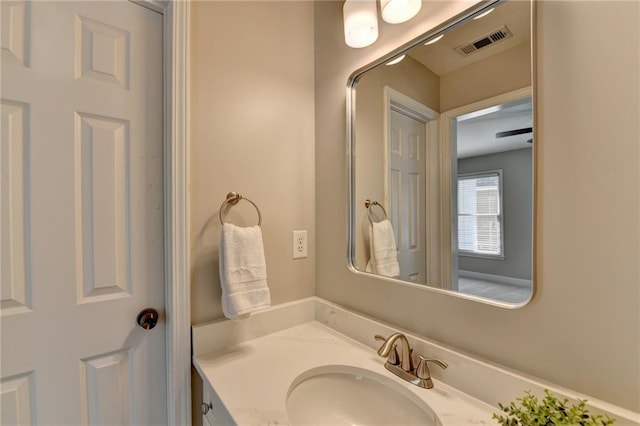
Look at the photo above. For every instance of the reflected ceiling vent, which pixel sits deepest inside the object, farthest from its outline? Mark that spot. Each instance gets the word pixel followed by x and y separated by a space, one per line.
pixel 487 40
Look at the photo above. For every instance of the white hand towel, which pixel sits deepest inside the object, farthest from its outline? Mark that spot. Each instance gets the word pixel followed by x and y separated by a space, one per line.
pixel 384 256
pixel 243 271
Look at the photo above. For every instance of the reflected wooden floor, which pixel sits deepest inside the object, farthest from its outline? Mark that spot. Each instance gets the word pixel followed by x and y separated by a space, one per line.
pixel 491 290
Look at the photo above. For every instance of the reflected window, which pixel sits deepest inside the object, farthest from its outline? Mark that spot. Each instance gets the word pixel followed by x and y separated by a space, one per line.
pixel 480 230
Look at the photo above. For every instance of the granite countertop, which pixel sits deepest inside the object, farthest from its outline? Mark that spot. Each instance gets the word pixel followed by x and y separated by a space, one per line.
pixel 252 378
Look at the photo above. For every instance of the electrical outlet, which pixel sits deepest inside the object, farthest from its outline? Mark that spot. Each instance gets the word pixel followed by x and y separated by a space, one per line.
pixel 299 244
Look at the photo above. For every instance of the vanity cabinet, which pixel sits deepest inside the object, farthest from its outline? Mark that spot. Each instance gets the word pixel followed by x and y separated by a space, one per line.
pixel 213 412
pixel 254 370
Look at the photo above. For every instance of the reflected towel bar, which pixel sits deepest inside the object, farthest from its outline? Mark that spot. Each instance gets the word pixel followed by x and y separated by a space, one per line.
pixel 368 204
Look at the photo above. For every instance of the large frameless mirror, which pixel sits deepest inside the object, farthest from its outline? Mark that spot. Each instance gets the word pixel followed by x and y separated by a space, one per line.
pixel 441 144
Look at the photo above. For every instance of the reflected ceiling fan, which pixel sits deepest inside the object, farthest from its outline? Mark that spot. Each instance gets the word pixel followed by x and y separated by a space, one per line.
pixel 515 132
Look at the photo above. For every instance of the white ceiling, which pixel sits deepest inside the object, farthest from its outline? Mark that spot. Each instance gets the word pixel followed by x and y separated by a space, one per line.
pixel 441 57
pixel 477 135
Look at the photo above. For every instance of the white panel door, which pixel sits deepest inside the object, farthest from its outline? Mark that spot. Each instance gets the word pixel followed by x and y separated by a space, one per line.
pixel 406 197
pixel 82 214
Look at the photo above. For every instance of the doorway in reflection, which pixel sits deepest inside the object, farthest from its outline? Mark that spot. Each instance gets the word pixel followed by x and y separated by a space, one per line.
pixel 492 201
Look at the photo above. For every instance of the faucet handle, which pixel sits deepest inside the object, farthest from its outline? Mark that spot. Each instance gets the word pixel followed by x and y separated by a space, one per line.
pixel 422 370
pixel 393 357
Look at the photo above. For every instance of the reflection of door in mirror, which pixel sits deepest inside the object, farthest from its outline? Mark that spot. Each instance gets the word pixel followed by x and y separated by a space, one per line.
pixel 410 139
pixel 379 92
pixel 405 196
pixel 491 196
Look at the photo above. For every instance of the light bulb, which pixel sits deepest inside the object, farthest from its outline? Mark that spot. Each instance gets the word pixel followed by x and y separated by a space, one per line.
pixel 360 22
pixel 433 40
pixel 396 60
pixel 483 14
pixel 398 11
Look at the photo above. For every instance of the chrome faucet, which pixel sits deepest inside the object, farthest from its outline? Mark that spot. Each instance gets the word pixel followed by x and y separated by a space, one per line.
pixel 403 368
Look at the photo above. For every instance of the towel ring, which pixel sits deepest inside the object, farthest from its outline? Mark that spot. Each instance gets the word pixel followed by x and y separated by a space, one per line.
pixel 234 198
pixel 368 204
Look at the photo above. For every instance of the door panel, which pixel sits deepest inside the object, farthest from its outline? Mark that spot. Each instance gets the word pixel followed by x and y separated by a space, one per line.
pixel 82 214
pixel 16 286
pixel 406 198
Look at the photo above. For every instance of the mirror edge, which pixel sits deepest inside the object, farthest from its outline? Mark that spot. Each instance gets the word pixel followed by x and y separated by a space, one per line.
pixel 353 79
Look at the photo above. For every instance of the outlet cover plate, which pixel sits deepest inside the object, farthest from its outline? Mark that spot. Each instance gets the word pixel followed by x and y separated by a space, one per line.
pixel 300 244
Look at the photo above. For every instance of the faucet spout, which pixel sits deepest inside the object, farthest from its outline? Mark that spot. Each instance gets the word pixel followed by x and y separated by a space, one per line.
pixel 405 363
pixel 420 376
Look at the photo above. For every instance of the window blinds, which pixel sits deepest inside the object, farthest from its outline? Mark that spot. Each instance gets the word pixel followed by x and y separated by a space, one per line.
pixel 479 215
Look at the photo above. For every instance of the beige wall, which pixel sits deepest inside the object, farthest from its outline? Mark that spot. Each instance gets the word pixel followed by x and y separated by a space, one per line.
pixel 252 131
pixel 582 329
pixel 410 78
pixel 492 76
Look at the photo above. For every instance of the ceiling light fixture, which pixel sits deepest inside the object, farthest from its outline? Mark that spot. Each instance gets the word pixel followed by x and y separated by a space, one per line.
pixel 396 60
pixel 433 40
pixel 399 11
pixel 360 22
pixel 483 14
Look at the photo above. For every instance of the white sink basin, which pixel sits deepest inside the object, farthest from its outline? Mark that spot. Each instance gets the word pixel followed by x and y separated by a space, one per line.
pixel 344 395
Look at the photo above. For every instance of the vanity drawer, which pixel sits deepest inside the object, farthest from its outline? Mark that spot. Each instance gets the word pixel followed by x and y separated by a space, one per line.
pixel 213 412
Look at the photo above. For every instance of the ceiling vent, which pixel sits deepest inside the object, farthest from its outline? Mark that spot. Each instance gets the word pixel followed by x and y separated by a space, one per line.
pixel 492 38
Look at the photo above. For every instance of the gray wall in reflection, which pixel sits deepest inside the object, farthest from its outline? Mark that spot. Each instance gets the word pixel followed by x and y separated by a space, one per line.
pixel 517 210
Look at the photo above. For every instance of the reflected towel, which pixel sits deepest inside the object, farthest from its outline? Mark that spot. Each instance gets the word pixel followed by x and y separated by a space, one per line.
pixel 243 271
pixel 382 248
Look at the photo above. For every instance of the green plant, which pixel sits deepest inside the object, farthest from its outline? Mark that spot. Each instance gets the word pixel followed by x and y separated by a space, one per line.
pixel 550 411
